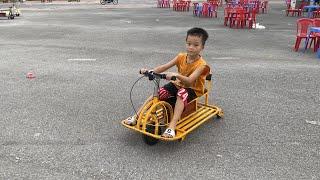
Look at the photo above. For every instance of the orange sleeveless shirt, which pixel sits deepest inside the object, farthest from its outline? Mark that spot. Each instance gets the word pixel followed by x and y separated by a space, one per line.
pixel 186 69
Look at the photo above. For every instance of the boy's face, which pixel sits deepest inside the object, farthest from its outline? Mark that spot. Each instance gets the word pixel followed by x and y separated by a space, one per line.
pixel 194 45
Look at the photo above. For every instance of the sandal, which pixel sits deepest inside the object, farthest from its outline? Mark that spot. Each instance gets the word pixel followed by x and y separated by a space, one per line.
pixel 169 133
pixel 131 120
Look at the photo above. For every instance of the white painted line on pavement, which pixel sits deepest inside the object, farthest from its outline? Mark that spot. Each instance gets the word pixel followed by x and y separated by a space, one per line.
pixel 313 122
pixel 280 30
pixel 225 58
pixel 77 59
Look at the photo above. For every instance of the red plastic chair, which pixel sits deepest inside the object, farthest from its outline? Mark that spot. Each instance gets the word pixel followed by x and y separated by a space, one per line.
pixel 159 3
pixel 317 37
pixel 298 11
pixel 316 13
pixel 252 19
pixel 205 9
pixel 188 5
pixel 213 1
pixel 163 4
pixel 239 19
pixel 166 4
pixel 218 2
pixel 316 23
pixel 175 5
pixel 303 25
pixel 227 15
pixel 245 1
pixel 182 6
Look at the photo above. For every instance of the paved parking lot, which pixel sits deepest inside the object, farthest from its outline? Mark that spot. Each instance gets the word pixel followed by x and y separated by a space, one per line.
pixel 65 123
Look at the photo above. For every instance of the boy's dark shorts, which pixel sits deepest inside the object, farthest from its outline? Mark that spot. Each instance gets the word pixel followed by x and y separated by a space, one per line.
pixel 173 90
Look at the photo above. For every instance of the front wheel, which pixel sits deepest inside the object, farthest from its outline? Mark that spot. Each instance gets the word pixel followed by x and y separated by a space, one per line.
pixel 148 139
pixel 103 2
pixel 115 2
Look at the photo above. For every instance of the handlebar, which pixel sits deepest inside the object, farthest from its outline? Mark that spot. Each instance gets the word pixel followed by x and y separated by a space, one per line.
pixel 152 75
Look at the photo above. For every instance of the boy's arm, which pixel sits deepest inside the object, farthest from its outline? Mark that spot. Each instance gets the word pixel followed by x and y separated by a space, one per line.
pixel 164 67
pixel 189 80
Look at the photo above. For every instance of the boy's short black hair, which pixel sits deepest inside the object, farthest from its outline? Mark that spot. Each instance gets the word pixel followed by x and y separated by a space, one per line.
pixel 198 32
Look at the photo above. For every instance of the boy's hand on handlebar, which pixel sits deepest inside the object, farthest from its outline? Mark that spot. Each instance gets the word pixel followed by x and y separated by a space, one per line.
pixel 152 75
pixel 169 75
pixel 143 70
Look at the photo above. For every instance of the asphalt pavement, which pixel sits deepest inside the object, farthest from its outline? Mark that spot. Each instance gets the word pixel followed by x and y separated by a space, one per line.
pixel 65 122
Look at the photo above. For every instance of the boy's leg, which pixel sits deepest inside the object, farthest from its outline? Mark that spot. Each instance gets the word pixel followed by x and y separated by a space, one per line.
pixel 129 121
pixel 178 109
pixel 184 96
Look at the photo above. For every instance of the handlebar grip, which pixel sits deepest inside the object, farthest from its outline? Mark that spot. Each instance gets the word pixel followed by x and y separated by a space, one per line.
pixel 152 75
pixel 145 73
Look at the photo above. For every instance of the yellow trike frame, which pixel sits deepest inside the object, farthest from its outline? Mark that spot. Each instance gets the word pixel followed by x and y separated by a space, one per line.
pixel 159 113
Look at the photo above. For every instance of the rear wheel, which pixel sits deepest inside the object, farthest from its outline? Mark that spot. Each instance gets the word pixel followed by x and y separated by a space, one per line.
pixel 220 114
pixel 103 2
pixel 115 2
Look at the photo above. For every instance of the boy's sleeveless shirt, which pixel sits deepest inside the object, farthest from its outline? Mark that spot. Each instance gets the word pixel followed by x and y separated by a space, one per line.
pixel 186 69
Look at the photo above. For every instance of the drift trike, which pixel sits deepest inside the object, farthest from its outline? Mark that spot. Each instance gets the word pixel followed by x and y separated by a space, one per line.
pixel 154 116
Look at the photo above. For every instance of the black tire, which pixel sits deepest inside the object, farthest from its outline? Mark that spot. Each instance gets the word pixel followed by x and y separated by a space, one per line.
pixel 148 139
pixel 115 2
pixel 103 2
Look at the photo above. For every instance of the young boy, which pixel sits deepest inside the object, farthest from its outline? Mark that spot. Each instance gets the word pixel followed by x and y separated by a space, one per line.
pixel 190 79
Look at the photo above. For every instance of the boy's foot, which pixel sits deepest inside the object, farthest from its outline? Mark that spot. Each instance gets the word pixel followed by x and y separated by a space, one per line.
pixel 169 133
pixel 131 120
